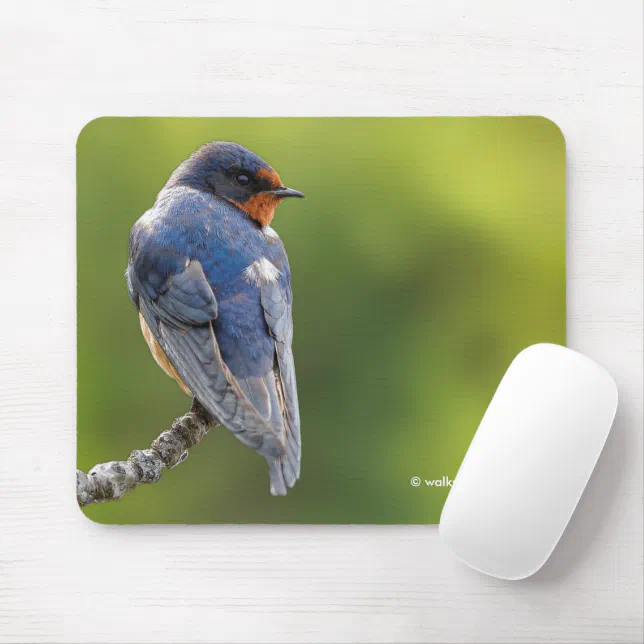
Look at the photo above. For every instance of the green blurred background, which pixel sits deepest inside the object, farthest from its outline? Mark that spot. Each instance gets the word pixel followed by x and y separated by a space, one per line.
pixel 427 254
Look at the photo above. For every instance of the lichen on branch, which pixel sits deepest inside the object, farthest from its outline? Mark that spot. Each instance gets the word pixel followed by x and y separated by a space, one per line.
pixel 112 481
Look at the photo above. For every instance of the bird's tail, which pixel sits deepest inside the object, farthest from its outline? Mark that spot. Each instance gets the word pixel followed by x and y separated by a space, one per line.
pixel 283 472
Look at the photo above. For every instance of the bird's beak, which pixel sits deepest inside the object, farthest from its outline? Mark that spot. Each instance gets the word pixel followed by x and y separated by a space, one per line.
pixel 283 191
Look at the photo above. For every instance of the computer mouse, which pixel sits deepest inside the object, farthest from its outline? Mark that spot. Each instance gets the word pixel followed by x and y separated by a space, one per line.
pixel 529 461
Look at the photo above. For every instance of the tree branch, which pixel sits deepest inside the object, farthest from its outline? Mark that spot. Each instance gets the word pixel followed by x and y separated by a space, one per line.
pixel 112 481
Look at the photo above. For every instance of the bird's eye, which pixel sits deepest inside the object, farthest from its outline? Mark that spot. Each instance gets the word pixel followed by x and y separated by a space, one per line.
pixel 242 179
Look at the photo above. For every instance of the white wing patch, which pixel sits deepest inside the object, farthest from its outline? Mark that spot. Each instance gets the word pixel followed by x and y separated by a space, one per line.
pixel 261 272
pixel 270 233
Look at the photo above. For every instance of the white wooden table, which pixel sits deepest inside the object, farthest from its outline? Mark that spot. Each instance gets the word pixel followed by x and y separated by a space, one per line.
pixel 65 579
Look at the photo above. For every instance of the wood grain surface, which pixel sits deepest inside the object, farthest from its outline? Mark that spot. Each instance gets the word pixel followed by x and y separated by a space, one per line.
pixel 65 579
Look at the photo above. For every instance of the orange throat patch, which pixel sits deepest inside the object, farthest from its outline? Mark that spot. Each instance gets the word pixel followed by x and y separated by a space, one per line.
pixel 261 208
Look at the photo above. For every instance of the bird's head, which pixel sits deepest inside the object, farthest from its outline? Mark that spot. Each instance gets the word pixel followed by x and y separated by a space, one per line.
pixel 231 172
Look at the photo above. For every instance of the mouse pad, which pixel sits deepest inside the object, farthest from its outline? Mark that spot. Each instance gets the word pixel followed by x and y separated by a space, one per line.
pixel 329 358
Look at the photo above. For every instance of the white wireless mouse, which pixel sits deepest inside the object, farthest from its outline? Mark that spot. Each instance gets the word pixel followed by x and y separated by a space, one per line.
pixel 529 461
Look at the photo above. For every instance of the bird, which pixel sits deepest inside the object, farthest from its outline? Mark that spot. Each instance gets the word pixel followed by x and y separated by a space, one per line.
pixel 211 281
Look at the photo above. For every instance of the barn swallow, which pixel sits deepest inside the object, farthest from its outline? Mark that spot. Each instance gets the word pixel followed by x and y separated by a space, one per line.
pixel 212 284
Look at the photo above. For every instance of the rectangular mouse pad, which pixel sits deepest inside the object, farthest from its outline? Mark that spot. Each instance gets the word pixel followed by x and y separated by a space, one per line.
pixel 348 342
